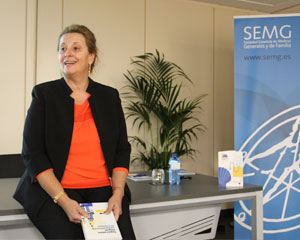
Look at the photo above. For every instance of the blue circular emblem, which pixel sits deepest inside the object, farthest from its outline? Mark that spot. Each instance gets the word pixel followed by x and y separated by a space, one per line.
pixel 273 161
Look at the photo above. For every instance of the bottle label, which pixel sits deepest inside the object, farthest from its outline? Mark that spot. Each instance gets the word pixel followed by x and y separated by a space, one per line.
pixel 175 165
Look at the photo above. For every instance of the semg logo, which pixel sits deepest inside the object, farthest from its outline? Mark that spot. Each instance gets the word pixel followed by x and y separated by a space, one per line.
pixel 265 32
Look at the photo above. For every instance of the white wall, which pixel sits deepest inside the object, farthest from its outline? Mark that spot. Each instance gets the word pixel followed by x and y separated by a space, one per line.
pixel 119 28
pixel 13 71
pixel 224 79
pixel 49 19
pixel 196 36
pixel 185 36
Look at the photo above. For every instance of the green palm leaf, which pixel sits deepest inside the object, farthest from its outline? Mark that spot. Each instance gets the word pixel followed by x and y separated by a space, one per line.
pixel 153 103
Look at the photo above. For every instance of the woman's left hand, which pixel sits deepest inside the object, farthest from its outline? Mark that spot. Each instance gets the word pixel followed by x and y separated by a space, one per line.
pixel 115 204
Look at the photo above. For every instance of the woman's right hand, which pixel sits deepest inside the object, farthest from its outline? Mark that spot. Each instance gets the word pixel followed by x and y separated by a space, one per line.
pixel 72 209
pixel 52 186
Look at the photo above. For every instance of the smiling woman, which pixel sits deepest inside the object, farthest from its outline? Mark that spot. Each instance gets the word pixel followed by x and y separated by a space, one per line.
pixel 66 164
pixel 74 57
pixel 77 52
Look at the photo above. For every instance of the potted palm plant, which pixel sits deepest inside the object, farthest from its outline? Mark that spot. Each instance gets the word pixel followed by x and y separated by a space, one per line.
pixel 155 105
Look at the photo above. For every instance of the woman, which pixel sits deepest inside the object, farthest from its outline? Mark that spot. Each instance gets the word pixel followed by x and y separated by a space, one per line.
pixel 75 145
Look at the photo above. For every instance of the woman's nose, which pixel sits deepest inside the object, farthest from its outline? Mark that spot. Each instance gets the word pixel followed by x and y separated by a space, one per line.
pixel 68 52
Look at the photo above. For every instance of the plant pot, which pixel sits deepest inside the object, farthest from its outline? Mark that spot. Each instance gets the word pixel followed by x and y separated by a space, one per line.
pixel 158 176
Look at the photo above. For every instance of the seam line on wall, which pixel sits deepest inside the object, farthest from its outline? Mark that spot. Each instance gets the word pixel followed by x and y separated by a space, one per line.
pixel 213 90
pixel 145 19
pixel 145 42
pixel 62 14
pixel 25 58
pixel 36 40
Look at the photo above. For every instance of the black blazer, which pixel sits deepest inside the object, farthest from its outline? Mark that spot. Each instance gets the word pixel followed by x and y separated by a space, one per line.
pixel 48 133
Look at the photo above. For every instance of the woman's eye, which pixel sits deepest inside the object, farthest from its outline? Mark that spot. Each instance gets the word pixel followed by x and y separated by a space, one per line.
pixel 76 48
pixel 62 49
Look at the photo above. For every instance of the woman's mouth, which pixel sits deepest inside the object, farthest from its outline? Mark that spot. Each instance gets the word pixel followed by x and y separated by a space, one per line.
pixel 69 62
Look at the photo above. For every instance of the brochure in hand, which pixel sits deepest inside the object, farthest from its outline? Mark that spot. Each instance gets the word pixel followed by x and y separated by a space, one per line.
pixel 99 225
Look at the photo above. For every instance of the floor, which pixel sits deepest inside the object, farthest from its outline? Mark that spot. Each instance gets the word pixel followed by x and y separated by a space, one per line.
pixel 225 227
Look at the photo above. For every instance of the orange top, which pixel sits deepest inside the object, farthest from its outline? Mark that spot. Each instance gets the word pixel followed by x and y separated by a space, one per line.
pixel 86 166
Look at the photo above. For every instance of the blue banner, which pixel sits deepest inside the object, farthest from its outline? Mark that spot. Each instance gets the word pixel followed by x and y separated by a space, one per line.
pixel 267 120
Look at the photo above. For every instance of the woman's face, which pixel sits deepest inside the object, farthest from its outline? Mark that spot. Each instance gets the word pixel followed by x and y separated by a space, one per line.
pixel 74 57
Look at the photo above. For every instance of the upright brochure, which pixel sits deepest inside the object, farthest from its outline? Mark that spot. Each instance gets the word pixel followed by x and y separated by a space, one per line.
pixel 231 168
pixel 99 225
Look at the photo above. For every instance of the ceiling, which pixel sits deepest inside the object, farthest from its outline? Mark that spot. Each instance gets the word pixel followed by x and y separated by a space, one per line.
pixel 267 6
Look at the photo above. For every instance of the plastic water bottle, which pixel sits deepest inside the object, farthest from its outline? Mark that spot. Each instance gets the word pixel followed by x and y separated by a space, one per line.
pixel 174 170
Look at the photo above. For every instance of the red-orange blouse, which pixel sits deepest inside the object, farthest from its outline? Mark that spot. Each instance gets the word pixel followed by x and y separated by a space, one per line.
pixel 86 166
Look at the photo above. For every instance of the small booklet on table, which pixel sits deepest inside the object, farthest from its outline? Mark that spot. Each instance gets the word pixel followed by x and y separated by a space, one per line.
pixel 99 225
pixel 186 173
pixel 139 177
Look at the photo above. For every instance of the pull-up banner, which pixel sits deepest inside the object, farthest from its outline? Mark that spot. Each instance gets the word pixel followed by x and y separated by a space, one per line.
pixel 267 120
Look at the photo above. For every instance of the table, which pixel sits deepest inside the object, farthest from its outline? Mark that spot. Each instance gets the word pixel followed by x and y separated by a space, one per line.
pixel 200 192
pixel 157 205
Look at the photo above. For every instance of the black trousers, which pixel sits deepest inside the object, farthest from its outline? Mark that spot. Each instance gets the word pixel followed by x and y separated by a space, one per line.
pixel 53 223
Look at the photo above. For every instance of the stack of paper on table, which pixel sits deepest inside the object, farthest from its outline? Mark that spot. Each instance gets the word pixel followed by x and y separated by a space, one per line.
pixel 139 177
pixel 186 173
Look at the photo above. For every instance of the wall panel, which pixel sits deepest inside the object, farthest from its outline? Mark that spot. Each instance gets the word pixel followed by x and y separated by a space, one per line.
pixel 48 29
pixel 31 43
pixel 119 29
pixel 183 31
pixel 224 79
pixel 198 37
pixel 12 62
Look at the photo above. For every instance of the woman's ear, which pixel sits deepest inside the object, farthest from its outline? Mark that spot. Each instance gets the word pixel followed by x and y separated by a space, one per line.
pixel 91 58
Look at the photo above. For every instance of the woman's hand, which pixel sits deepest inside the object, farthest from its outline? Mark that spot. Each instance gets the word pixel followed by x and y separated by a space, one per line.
pixel 72 209
pixel 115 203
pixel 52 186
